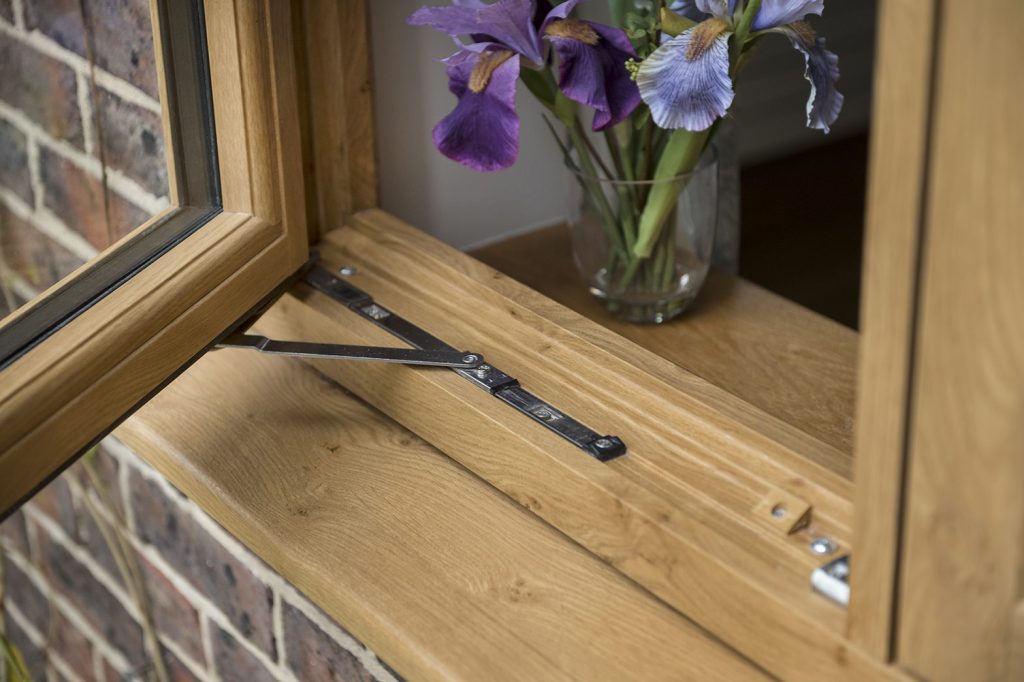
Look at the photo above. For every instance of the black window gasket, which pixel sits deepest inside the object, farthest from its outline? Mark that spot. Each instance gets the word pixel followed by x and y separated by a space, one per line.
pixel 193 148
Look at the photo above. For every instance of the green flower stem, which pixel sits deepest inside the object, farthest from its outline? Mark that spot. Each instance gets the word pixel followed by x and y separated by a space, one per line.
pixel 626 192
pixel 668 254
pixel 739 39
pixel 618 9
pixel 566 111
pixel 681 154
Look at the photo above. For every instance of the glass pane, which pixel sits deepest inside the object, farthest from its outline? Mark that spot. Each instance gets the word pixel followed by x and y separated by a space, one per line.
pixel 85 151
pixel 82 159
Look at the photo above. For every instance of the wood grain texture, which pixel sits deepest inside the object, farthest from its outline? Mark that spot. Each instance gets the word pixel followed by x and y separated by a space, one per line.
pixel 441 575
pixel 173 180
pixel 339 74
pixel 82 379
pixel 675 514
pixel 962 559
pixel 897 170
pixel 1016 666
pixel 788 361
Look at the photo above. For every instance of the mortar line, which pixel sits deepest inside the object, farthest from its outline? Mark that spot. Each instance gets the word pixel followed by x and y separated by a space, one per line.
pixel 128 188
pixel 85 112
pixel 18 10
pixel 58 535
pixel 50 48
pixel 101 574
pixel 199 601
pixel 266 574
pixel 206 640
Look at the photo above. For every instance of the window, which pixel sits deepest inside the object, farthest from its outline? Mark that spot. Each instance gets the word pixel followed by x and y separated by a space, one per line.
pixel 80 356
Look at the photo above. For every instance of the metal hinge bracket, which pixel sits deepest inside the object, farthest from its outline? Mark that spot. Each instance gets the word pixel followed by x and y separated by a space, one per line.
pixel 427 350
pixel 493 380
pixel 833 580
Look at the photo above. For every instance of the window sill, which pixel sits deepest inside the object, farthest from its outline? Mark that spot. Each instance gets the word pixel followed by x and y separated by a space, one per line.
pixel 794 364
pixel 439 573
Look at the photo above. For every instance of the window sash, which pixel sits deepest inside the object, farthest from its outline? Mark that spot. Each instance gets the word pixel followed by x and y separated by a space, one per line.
pixel 76 384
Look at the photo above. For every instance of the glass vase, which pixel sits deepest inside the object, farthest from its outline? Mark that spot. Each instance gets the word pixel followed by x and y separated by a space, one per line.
pixel 603 219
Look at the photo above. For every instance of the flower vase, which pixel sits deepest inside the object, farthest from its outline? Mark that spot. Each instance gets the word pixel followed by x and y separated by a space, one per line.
pixel 657 287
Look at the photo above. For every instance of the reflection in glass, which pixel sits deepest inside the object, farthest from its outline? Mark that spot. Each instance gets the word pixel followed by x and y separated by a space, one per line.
pixel 82 158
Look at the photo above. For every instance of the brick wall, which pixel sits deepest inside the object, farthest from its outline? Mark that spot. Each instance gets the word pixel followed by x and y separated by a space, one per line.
pixel 81 164
pixel 219 612
pixel 82 158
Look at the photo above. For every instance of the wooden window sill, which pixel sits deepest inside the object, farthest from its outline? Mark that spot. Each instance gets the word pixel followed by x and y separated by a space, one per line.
pixel 439 573
pixel 703 462
pixel 790 362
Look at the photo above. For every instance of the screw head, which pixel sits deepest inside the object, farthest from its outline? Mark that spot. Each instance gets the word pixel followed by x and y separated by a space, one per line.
pixel 823 545
pixel 544 413
pixel 470 358
pixel 604 443
pixel 375 312
pixel 779 510
pixel 347 270
pixel 482 372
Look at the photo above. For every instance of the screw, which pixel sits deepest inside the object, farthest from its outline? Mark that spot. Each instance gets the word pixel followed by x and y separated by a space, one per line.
pixel 347 270
pixel 482 372
pixel 544 413
pixel 375 312
pixel 823 545
pixel 469 358
pixel 779 510
pixel 604 443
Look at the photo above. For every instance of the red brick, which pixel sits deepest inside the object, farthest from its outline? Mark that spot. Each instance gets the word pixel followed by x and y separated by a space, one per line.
pixel 60 20
pixel 73 647
pixel 14 173
pixel 24 594
pixel 91 537
pixel 122 35
pixel 314 656
pixel 233 661
pixel 133 141
pixel 55 501
pixel 15 534
pixel 33 255
pixel 203 561
pixel 174 616
pixel 107 469
pixel 92 599
pixel 34 657
pixel 75 196
pixel 124 216
pixel 45 89
pixel 176 670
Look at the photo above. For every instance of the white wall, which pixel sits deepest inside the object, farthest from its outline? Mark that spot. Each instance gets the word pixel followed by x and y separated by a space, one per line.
pixel 466 208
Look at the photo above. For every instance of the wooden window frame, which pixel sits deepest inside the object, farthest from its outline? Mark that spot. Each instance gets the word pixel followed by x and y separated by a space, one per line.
pixel 81 380
pixel 705 547
pixel 684 516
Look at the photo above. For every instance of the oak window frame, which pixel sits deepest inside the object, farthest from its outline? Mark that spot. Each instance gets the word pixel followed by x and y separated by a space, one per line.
pixel 87 373
pixel 692 533
pixel 710 556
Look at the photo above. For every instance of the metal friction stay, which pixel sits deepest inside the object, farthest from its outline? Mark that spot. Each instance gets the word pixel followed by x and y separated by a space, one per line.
pixel 490 378
pixel 426 349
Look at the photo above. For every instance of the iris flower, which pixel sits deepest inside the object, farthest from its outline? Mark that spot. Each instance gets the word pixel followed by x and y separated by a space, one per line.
pixel 687 83
pixel 482 132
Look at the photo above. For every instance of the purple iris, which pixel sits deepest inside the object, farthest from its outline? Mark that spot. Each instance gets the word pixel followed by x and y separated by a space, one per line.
pixel 482 132
pixel 687 84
